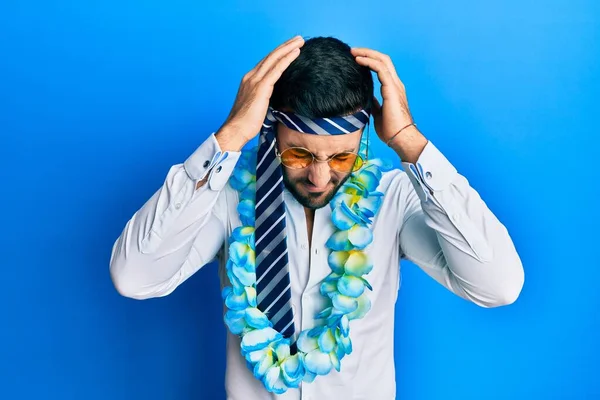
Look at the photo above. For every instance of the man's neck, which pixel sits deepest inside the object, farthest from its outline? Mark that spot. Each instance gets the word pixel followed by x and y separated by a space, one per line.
pixel 310 219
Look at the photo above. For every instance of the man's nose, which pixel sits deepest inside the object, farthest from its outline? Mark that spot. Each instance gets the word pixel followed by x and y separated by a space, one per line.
pixel 319 174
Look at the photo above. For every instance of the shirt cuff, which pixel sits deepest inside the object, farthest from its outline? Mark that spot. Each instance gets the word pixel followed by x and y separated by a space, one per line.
pixel 209 159
pixel 431 173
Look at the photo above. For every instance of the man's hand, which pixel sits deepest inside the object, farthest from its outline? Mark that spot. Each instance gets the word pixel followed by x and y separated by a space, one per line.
pixel 252 101
pixel 394 114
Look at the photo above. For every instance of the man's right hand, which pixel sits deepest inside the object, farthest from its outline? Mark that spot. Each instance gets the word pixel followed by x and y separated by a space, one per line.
pixel 252 101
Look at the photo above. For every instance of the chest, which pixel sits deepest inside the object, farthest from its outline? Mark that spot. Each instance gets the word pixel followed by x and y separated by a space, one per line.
pixel 308 253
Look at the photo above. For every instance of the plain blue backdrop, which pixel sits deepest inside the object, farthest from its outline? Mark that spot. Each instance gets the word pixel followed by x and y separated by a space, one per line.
pixel 99 98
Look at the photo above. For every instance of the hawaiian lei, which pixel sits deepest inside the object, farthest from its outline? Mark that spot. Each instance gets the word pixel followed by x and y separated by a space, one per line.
pixel 321 348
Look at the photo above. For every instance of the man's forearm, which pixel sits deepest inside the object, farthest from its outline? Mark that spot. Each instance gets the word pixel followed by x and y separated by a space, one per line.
pixel 409 144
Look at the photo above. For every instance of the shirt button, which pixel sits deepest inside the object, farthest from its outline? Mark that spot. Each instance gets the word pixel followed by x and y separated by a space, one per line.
pixel 206 164
pixel 304 246
pixel 219 169
pixel 455 217
pixel 428 175
pixel 178 206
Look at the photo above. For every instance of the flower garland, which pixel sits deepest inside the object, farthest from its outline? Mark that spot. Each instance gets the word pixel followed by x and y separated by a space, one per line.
pixel 321 348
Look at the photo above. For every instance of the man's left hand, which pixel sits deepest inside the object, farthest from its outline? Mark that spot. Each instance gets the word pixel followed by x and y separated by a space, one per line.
pixel 394 114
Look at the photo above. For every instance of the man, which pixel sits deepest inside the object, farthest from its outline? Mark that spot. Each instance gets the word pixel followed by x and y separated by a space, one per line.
pixel 309 232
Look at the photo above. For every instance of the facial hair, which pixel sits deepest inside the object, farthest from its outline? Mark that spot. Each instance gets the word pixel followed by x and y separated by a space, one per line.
pixel 311 201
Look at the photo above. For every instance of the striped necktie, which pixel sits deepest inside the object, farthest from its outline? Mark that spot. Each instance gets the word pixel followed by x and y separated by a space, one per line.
pixel 272 266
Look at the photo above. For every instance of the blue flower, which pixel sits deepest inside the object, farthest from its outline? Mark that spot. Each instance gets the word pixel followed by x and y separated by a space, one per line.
pixel 236 302
pixel 328 289
pixel 337 260
pixel 367 180
pixel 259 339
pixel 339 241
pixel 381 164
pixel 357 264
pixel 344 343
pixel 256 318
pixel 236 321
pixel 246 211
pixel 273 380
pixel 292 370
pixel 249 193
pixel 370 204
pixel 345 218
pixel 351 286
pixel 238 287
pixel 364 305
pixel 344 303
pixel 243 176
pixel 359 236
pixel 326 341
pixel 318 363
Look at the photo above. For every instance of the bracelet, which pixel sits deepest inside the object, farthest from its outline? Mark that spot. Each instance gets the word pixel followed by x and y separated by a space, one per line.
pixel 397 133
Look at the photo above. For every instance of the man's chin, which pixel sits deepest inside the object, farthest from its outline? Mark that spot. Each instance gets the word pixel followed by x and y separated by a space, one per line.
pixel 315 200
pixel 312 200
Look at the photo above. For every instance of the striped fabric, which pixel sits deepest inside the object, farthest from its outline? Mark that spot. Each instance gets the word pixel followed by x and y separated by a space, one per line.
pixel 272 266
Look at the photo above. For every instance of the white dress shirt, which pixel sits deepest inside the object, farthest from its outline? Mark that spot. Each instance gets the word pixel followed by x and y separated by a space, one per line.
pixel 430 215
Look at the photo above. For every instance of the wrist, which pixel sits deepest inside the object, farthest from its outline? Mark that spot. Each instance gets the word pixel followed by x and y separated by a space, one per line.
pixel 230 139
pixel 409 144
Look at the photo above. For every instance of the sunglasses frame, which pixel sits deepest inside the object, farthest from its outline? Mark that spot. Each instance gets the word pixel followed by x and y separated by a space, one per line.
pixel 315 159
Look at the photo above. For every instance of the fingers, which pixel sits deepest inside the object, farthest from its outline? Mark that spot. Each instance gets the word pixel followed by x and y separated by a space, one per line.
pixel 273 75
pixel 383 73
pixel 261 62
pixel 383 58
pixel 276 55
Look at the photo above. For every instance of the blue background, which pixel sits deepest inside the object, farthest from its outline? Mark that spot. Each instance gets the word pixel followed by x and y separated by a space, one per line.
pixel 99 98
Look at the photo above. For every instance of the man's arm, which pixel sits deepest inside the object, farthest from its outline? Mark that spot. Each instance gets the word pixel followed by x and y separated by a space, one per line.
pixel 179 229
pixel 182 226
pixel 451 234
pixel 447 229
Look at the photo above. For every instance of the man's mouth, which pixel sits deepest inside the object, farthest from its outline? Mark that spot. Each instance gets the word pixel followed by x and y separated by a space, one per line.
pixel 313 189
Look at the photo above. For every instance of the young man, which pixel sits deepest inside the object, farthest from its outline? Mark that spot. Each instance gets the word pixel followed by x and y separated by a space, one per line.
pixel 309 232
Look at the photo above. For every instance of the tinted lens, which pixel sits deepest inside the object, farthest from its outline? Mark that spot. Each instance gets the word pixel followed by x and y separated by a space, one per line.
pixel 296 158
pixel 346 162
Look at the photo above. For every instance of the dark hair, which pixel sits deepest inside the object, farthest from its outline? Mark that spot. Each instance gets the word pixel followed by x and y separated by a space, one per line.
pixel 324 81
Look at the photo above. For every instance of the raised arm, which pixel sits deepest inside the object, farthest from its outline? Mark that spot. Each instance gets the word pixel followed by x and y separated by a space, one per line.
pixel 184 224
pixel 179 229
pixel 450 233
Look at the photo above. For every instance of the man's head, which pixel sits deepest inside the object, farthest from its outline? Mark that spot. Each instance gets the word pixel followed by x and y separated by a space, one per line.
pixel 324 81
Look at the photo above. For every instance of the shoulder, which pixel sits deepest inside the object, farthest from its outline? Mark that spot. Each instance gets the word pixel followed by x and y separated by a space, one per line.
pixel 393 181
pixel 399 196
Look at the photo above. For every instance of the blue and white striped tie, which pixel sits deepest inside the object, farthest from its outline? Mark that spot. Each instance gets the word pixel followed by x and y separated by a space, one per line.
pixel 272 266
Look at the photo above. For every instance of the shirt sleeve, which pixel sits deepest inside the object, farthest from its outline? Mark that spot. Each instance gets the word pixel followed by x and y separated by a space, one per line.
pixel 450 233
pixel 179 229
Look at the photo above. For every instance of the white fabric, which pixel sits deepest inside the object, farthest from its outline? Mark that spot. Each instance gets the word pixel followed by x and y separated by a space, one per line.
pixel 433 218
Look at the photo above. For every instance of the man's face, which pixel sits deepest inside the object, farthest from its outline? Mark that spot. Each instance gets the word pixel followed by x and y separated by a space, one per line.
pixel 315 185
